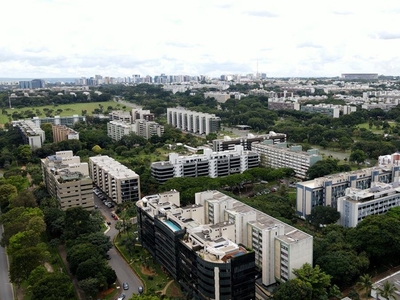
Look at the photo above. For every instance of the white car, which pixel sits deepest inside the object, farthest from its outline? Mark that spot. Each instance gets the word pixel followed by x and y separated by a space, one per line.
pixel 121 297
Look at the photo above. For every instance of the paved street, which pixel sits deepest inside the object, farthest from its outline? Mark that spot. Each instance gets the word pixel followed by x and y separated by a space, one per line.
pixel 123 270
pixel 6 291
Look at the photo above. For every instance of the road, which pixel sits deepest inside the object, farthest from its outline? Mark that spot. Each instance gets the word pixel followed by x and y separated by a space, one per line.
pixel 117 262
pixel 6 290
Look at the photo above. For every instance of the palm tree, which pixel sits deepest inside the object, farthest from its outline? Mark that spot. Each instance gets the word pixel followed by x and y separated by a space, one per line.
pixel 387 291
pixel 365 284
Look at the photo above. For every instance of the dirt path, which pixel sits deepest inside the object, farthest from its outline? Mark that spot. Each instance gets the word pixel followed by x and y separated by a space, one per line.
pixel 63 254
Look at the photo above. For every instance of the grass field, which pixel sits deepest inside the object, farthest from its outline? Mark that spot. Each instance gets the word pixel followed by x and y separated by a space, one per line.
pixel 63 109
pixel 373 129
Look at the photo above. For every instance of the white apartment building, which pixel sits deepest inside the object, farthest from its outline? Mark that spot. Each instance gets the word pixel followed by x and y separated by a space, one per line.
pixel 357 204
pixel 279 248
pixel 219 96
pixel 120 115
pixel 228 143
pixel 31 134
pixel 212 164
pixel 280 156
pixel 327 190
pixel 193 121
pixel 117 129
pixel 67 179
pixel 115 180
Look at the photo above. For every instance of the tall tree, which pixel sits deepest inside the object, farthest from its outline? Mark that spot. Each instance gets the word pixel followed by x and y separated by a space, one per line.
pixel 316 278
pixel 365 284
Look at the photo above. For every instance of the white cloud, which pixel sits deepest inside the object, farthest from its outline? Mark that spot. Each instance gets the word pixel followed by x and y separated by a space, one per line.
pixel 73 38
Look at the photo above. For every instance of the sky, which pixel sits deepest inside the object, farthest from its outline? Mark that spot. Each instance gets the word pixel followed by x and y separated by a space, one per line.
pixel 119 38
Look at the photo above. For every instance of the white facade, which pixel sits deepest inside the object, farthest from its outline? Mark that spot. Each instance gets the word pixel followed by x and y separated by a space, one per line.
pixel 279 248
pixel 212 164
pixel 117 129
pixel 357 204
pixel 327 190
pixel 279 156
pixel 115 180
pixel 31 134
pixel 192 121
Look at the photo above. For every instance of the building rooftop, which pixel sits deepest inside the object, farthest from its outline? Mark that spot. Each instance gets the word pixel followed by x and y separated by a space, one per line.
pixel 113 167
pixel 263 220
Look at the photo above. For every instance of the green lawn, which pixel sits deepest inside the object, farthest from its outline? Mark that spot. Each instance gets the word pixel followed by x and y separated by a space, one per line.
pixel 373 129
pixel 64 109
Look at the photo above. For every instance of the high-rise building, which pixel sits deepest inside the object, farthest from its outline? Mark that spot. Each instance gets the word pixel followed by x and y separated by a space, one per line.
pixel 203 245
pixel 327 190
pixel 203 258
pixel 117 181
pixel 212 164
pixel 281 156
pixel 31 134
pixel 193 121
pixel 63 133
pixel 67 179
pixel 228 143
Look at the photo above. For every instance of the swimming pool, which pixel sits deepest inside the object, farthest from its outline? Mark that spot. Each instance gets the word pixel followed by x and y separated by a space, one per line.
pixel 172 225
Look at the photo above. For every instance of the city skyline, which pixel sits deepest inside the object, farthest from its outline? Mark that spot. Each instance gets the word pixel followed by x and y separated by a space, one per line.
pixel 59 38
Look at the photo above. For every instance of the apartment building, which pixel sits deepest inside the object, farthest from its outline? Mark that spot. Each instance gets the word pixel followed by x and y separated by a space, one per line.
pixel 193 121
pixel 142 114
pixel 141 127
pixel 31 134
pixel 325 109
pixel 357 204
pixel 197 243
pixel 67 179
pixel 120 115
pixel 228 143
pixel 212 164
pixel 115 180
pixel 366 76
pixel 280 156
pixel 63 133
pixel 282 104
pixel 57 120
pixel 117 129
pixel 221 97
pixel 327 190
pixel 201 258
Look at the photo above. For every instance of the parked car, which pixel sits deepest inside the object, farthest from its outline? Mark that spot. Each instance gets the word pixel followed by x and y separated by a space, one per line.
pixel 125 286
pixel 108 223
pixel 121 297
pixel 140 289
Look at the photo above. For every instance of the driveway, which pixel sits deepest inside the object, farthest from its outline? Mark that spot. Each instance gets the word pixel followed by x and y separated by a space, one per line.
pixel 117 262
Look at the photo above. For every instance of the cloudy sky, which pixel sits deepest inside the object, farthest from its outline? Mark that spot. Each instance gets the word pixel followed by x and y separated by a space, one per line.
pixel 290 38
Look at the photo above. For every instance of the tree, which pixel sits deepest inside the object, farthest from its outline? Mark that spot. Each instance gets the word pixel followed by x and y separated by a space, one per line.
pixel 7 192
pixel 365 284
pixel 24 153
pixel 24 261
pixel 316 278
pixel 387 290
pixel 53 286
pixel 293 289
pixel 323 215
pixel 24 198
pixel 358 156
